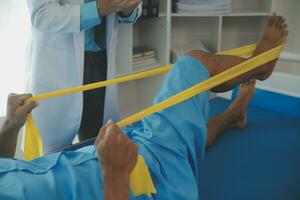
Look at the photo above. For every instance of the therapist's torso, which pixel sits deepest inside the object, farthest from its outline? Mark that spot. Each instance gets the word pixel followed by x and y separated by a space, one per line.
pixel 55 61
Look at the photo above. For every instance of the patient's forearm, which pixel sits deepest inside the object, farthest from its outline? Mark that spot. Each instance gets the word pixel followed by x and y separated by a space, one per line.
pixel 116 186
pixel 8 141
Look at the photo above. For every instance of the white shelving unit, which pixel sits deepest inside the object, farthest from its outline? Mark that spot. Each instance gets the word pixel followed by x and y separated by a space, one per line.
pixel 243 25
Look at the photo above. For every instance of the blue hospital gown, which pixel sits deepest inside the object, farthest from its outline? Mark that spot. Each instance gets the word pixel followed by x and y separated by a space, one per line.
pixel 172 142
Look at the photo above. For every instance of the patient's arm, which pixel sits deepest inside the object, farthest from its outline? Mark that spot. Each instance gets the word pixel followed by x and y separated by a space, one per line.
pixel 17 111
pixel 118 156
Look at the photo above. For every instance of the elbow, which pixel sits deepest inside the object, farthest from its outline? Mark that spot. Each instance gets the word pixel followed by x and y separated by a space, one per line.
pixel 37 16
pixel 35 22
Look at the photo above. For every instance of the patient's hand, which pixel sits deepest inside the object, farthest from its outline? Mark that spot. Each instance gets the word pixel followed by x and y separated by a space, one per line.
pixel 118 156
pixel 18 109
pixel 117 153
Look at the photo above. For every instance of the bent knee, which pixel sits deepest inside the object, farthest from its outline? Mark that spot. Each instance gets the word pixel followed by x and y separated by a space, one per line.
pixel 196 53
pixel 200 55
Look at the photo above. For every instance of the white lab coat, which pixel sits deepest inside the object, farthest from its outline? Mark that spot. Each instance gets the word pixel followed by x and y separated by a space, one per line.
pixel 56 61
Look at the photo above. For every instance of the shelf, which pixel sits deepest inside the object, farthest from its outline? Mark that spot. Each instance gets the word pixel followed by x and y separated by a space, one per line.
pixel 153 66
pixel 162 15
pixel 232 14
pixel 238 8
pixel 247 14
pixel 171 31
pixel 254 6
pixel 196 14
pixel 152 33
pixel 137 95
pixel 140 69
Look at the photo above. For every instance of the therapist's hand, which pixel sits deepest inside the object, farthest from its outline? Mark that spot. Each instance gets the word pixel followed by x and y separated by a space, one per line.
pixel 118 156
pixel 18 109
pixel 124 6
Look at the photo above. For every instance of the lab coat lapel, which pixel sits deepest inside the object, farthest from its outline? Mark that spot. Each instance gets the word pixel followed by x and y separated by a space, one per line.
pixel 111 109
pixel 79 53
pixel 72 1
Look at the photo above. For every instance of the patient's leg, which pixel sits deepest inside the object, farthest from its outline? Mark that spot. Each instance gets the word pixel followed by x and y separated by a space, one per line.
pixel 274 35
pixel 234 117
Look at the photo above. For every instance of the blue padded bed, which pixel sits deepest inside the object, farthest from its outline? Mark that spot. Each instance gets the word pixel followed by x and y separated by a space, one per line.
pixel 260 162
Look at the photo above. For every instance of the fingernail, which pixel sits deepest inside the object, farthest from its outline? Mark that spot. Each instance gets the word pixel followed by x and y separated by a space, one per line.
pixel 110 121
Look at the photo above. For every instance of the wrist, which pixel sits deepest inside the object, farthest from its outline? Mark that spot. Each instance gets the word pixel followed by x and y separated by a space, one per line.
pixel 116 186
pixel 9 128
pixel 116 178
pixel 104 9
pixel 126 13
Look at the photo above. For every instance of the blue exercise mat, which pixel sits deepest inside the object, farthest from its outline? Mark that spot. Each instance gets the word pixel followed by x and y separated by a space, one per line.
pixel 260 162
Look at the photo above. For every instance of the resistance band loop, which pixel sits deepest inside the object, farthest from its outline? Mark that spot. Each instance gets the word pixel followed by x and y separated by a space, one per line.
pixel 243 52
pixel 140 179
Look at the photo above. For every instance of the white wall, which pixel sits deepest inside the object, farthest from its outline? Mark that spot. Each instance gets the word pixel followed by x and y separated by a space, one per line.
pixel 14 30
pixel 291 10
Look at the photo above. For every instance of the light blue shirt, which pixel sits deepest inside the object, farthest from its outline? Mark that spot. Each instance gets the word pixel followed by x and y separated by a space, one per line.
pixel 171 141
pixel 89 18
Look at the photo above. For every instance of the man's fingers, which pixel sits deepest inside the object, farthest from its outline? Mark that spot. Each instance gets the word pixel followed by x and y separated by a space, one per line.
pixel 102 131
pixel 12 99
pixel 121 140
pixel 11 95
pixel 100 135
pixel 114 136
pixel 107 133
pixel 26 108
pixel 17 100
pixel 112 128
pixel 24 97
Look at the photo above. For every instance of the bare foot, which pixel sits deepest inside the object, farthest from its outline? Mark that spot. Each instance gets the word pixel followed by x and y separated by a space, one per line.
pixel 237 111
pixel 275 34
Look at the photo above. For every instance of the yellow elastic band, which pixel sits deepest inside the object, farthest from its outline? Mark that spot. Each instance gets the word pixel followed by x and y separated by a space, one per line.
pixel 206 85
pixel 242 51
pixel 140 180
pixel 33 141
pixel 141 75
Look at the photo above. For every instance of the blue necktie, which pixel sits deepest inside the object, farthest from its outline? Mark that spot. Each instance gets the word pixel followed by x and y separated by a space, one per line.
pixel 100 34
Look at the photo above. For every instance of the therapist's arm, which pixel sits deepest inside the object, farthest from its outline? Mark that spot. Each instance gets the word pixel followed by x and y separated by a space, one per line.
pixel 131 15
pixel 125 7
pixel 64 17
pixel 54 16
pixel 118 156
pixel 17 111
pixel 91 12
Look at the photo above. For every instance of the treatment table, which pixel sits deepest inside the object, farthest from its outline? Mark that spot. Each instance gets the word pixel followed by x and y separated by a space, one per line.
pixel 260 162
